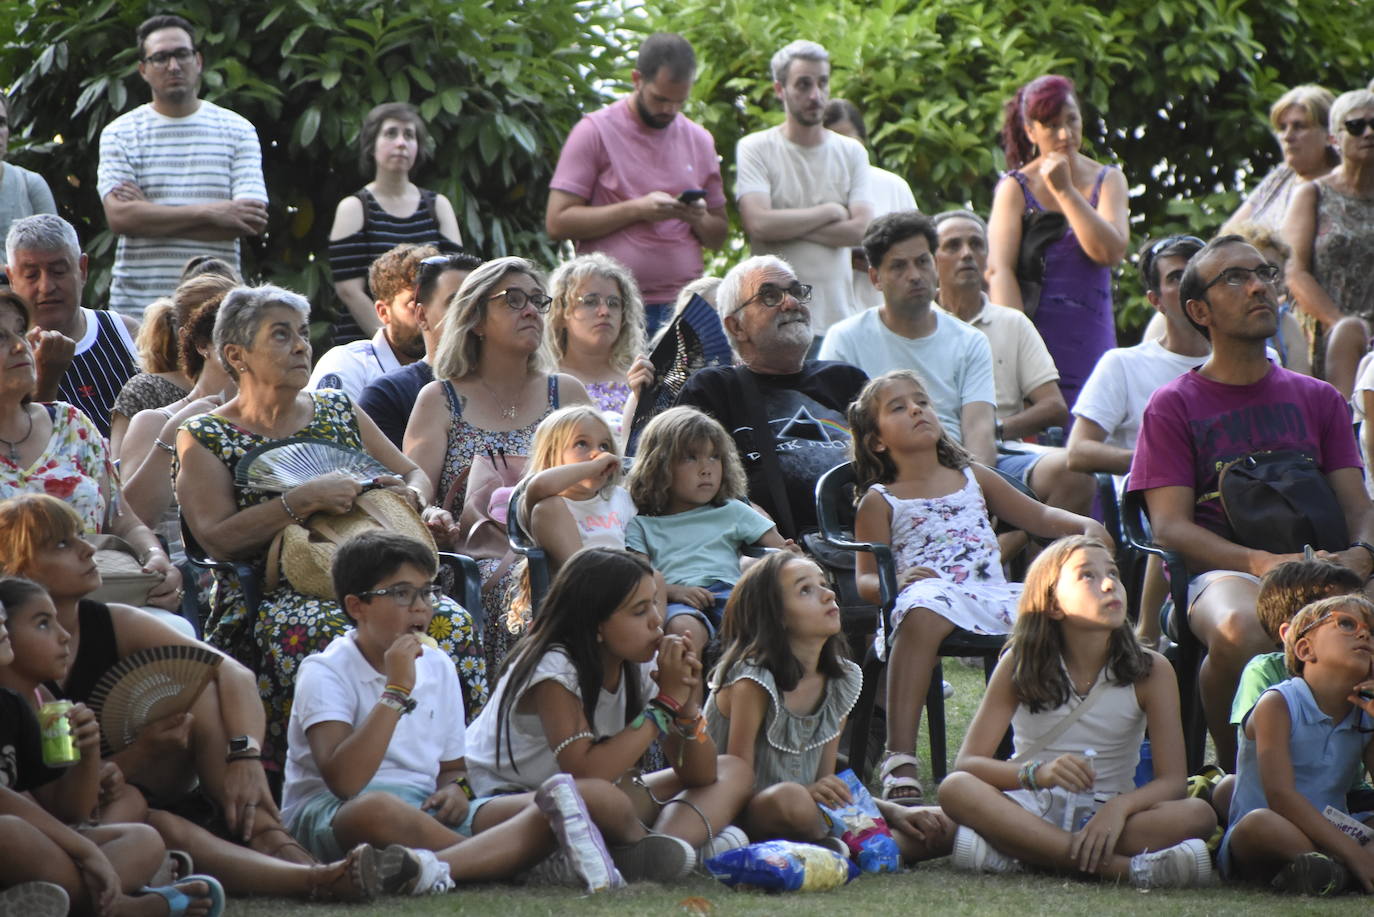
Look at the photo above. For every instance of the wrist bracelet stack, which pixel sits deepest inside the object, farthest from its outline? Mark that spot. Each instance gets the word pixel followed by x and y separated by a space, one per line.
pixel 398 698
pixel 1026 777
pixel 692 728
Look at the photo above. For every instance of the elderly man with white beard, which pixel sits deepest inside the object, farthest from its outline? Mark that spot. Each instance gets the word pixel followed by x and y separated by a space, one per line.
pixel 785 412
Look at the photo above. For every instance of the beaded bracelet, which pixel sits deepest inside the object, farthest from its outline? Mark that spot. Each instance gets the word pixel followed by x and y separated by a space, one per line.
pixel 558 749
pixel 289 511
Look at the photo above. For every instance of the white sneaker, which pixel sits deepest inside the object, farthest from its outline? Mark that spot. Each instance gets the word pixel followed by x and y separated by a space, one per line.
pixel 579 841
pixel 973 853
pixel 656 857
pixel 1184 865
pixel 732 837
pixel 412 871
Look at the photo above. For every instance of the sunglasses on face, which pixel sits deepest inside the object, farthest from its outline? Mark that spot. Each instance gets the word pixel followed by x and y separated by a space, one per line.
pixel 1356 127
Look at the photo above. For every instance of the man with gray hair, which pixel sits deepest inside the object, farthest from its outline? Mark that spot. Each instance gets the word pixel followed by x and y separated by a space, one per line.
pixel 785 412
pixel 81 356
pixel 803 191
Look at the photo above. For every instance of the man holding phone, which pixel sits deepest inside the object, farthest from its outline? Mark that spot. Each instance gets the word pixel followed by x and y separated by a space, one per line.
pixel 641 182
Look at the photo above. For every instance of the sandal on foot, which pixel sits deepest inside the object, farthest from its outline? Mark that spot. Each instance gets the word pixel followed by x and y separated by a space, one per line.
pixel 174 868
pixel 354 878
pixel 178 901
pixel 303 858
pixel 914 794
pixel 34 899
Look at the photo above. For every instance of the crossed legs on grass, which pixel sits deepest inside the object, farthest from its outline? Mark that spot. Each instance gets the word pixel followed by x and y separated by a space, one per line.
pixel 1223 618
pixel 788 811
pixel 910 662
pixel 1263 842
pixel 1027 837
pixel 688 809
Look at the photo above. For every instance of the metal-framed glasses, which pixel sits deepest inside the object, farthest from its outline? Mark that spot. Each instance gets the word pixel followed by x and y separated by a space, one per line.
pixel 772 295
pixel 593 301
pixel 404 594
pixel 1239 276
pixel 162 58
pixel 517 299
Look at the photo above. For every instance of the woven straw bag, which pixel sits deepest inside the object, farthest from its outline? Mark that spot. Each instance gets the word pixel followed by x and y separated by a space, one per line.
pixel 303 554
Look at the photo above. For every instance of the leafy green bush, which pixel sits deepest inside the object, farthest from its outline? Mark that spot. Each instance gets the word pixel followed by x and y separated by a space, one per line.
pixel 499 83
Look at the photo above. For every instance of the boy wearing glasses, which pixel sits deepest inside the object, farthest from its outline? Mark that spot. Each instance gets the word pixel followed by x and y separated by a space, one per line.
pixel 1303 743
pixel 377 742
pixel 179 176
pixel 1236 404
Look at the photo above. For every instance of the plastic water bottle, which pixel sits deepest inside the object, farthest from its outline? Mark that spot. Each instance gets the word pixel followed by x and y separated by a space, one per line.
pixel 1078 808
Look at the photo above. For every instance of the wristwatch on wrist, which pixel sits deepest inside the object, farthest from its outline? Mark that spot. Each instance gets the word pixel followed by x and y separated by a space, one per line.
pixel 243 747
pixel 1368 548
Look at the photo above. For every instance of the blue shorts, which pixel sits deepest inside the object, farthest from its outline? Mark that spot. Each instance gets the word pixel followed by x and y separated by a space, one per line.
pixel 313 825
pixel 711 616
pixel 1018 464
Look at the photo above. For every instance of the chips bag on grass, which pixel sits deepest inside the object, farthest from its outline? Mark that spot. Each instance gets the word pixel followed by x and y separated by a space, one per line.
pixel 782 866
pixel 863 829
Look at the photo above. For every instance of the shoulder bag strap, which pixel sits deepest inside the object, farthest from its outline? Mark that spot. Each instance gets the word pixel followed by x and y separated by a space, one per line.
pixel 1063 725
pixel 768 452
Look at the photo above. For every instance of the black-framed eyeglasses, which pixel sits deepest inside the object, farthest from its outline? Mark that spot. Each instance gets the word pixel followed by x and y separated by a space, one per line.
pixel 517 299
pixel 593 301
pixel 404 594
pixel 772 295
pixel 1239 276
pixel 1356 127
pixel 161 58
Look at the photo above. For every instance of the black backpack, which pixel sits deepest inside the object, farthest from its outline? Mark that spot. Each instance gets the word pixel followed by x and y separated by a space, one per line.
pixel 1281 502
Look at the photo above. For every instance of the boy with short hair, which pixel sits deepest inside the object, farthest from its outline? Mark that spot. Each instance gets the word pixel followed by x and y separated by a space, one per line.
pixel 376 746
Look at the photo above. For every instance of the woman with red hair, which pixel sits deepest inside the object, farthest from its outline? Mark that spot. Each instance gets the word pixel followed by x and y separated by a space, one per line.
pixel 1041 135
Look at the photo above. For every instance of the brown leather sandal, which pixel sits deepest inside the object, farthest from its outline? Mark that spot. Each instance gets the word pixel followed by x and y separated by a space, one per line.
pixel 352 879
pixel 298 854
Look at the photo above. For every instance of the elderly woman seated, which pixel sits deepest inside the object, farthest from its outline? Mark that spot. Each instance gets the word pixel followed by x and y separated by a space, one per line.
pixel 262 338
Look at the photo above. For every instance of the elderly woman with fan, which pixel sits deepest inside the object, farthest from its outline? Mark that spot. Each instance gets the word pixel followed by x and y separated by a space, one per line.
pixel 262 338
pixel 493 387
pixel 55 449
pixel 596 330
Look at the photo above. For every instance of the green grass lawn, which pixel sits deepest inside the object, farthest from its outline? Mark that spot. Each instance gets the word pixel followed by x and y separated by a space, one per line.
pixel 932 888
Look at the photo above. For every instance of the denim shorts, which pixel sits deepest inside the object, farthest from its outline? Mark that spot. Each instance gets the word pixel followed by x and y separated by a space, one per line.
pixel 711 616
pixel 313 825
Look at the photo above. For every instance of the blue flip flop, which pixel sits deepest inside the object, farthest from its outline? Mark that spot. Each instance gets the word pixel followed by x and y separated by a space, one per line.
pixel 178 901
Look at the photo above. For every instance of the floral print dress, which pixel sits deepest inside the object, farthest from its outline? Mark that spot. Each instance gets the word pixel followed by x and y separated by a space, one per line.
pixel 290 625
pixel 74 467
pixel 952 535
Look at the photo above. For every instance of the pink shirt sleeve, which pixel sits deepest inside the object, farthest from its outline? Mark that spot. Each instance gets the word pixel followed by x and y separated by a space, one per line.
pixel 581 161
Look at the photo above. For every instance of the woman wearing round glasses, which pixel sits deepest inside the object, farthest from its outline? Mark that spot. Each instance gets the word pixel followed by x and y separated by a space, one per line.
pixel 596 330
pixel 1330 228
pixel 493 385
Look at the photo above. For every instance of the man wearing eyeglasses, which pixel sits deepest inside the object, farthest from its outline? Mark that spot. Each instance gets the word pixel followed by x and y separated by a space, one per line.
pixel 785 412
pixel 905 332
pixel 1238 403
pixel 178 176
pixel 641 182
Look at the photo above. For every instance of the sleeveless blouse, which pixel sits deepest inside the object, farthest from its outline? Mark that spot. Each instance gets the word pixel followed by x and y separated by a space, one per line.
pixel 1343 250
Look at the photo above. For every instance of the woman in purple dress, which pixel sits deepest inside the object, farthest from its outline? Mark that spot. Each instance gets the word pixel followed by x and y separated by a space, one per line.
pixel 1041 134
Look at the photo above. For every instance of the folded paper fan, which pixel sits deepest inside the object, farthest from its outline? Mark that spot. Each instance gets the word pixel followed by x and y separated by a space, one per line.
pixel 694 339
pixel 278 466
pixel 148 685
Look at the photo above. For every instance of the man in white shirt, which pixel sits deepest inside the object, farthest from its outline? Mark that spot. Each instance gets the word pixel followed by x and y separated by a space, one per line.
pixel 179 176
pixel 399 342
pixel 905 332
pixel 803 191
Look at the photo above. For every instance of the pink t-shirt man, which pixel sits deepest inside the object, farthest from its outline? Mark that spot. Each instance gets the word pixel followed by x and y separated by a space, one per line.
pixel 612 156
pixel 1193 424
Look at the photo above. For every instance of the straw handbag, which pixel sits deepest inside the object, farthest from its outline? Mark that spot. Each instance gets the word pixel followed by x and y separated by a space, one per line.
pixel 303 554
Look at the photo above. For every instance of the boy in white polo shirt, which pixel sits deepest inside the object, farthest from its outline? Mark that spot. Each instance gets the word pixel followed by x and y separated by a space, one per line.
pixel 376 746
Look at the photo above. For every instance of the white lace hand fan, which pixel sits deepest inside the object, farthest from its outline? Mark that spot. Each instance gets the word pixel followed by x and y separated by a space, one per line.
pixel 148 685
pixel 278 466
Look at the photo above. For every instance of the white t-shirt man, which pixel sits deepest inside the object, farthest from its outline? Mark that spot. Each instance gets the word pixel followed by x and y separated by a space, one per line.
pixel 1116 392
pixel 955 360
pixel 351 367
pixel 340 685
pixel 211 155
pixel 793 176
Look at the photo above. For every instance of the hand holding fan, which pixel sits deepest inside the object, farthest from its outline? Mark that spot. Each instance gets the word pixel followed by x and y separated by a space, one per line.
pixel 148 685
pixel 278 466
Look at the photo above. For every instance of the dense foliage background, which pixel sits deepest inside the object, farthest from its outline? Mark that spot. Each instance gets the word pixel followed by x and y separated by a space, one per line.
pixel 1175 91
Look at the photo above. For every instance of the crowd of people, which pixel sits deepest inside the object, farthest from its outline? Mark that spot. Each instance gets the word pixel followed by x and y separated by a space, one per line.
pixel 680 688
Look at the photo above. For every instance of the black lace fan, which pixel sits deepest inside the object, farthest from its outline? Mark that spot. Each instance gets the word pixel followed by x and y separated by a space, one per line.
pixel 695 338
pixel 278 466
pixel 148 685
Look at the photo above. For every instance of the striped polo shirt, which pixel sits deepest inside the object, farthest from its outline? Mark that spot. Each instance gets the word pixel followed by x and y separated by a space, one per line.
pixel 211 155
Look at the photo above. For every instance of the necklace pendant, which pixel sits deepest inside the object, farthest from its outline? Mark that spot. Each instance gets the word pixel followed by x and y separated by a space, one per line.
pixel 509 413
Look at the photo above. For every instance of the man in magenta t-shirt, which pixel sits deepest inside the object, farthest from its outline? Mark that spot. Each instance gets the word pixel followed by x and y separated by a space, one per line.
pixel 622 174
pixel 1235 404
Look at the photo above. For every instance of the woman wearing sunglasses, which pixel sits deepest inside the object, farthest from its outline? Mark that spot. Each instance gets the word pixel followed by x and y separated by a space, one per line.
pixel 1330 228
pixel 493 385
